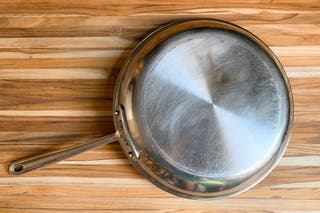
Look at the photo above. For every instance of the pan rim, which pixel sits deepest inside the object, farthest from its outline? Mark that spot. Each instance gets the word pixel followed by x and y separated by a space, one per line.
pixel 265 170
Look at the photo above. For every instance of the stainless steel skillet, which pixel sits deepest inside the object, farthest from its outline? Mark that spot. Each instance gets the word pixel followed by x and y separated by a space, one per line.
pixel 202 109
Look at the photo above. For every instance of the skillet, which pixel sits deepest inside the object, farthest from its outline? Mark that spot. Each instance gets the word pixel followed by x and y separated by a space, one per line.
pixel 202 108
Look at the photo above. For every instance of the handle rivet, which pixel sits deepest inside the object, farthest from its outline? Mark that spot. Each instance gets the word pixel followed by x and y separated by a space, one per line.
pixel 116 113
pixel 130 154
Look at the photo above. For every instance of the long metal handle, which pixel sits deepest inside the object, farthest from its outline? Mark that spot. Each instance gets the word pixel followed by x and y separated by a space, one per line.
pixel 28 164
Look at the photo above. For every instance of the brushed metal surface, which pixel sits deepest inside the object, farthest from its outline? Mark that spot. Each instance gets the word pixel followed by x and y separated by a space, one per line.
pixel 212 103
pixel 208 106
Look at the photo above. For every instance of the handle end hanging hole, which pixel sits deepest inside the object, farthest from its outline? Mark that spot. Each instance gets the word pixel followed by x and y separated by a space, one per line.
pixel 16 168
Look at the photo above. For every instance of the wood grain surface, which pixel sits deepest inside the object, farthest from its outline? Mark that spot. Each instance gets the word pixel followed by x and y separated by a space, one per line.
pixel 58 64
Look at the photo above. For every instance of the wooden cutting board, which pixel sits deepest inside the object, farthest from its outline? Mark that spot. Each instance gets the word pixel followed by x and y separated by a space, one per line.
pixel 58 64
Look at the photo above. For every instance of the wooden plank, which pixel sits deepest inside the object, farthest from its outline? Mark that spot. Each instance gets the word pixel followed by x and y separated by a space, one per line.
pixel 104 73
pixel 303 72
pixel 100 7
pixel 108 42
pixel 109 188
pixel 66 203
pixel 115 63
pixel 37 210
pixel 138 26
pixel 97 52
pixel 110 63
